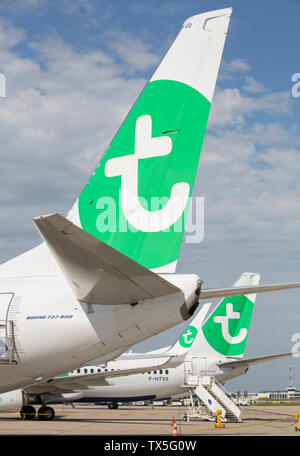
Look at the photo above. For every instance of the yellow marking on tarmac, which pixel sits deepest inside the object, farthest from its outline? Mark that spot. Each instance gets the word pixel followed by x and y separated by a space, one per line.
pixel 11 428
pixel 247 425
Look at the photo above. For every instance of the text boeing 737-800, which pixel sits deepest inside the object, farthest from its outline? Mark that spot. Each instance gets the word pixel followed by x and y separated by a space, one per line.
pixel 88 291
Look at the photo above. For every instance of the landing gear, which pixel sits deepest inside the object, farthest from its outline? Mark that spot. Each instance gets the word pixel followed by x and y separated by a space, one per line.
pixel 28 412
pixel 46 413
pixel 112 405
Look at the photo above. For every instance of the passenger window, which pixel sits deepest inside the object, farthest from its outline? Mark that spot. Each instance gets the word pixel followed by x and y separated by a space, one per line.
pixel 167 372
pixel 78 371
pixel 92 371
pixel 160 371
pixel 85 371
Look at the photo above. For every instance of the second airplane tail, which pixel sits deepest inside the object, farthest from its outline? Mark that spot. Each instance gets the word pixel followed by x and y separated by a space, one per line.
pixel 225 331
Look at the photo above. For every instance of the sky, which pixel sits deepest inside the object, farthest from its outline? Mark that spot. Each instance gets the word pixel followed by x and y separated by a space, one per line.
pixel 74 68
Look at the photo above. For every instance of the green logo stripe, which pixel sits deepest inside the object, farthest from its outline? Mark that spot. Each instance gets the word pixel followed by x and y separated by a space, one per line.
pixel 187 338
pixel 226 330
pixel 175 116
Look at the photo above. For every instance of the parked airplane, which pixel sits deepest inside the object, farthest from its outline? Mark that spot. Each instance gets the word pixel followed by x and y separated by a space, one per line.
pixel 104 277
pixel 212 346
pixel 94 290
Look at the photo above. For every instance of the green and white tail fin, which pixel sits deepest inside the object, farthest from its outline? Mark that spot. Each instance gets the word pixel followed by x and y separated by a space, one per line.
pixel 188 336
pixel 225 331
pixel 137 199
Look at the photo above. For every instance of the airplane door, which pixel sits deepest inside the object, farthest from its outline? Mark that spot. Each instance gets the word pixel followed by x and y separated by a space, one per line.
pixel 187 370
pixel 199 365
pixel 5 299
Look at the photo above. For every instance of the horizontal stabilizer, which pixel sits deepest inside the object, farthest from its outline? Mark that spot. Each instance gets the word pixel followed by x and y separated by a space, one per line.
pixel 96 272
pixel 250 361
pixel 237 291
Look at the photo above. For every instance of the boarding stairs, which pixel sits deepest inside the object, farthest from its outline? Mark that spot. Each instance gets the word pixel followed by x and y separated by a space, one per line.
pixel 207 396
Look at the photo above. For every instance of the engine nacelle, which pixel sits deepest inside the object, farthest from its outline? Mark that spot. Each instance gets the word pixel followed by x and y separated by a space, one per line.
pixel 12 401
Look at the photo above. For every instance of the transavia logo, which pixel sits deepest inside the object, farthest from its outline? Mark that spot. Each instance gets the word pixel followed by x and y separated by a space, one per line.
pixel 187 338
pixel 225 325
pixel 127 167
pixel 147 174
pixel 226 329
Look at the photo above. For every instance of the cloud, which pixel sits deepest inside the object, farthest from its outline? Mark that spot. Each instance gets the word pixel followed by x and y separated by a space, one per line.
pixel 137 55
pixel 253 86
pixel 15 6
pixel 230 70
pixel 231 107
pixel 62 108
pixel 64 105
pixel 77 6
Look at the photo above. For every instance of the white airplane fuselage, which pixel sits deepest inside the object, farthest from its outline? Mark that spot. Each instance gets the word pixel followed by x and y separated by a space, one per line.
pixel 55 333
pixel 161 383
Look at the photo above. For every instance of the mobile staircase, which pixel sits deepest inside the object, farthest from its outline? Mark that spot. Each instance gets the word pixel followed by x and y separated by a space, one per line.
pixel 207 396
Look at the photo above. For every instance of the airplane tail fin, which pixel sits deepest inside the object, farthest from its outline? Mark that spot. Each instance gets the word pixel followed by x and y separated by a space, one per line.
pixel 189 335
pixel 225 331
pixel 137 199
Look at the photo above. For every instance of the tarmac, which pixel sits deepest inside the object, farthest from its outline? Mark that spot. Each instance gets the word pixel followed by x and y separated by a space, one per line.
pixel 93 420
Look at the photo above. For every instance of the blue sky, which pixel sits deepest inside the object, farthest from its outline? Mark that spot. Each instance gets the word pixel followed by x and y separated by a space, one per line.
pixel 74 69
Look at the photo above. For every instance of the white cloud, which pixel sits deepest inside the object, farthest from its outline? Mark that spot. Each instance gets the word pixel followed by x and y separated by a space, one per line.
pixel 133 51
pixel 230 70
pixel 230 107
pixel 64 106
pixel 253 86
pixel 61 111
pixel 77 6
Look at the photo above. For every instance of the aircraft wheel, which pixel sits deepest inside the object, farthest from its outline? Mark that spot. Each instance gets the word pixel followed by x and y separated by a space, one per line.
pixel 28 412
pixel 46 413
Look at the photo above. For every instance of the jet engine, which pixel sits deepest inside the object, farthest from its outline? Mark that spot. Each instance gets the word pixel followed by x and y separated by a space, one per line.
pixel 12 401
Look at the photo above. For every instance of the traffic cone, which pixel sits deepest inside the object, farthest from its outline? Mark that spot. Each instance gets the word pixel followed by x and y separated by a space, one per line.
pixel 174 433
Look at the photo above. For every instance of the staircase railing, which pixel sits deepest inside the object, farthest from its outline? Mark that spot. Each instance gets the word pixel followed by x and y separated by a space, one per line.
pixel 224 397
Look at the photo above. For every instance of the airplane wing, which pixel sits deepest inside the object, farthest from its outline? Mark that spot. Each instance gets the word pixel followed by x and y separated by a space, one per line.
pixel 146 356
pixel 72 383
pixel 97 273
pixel 250 361
pixel 237 291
